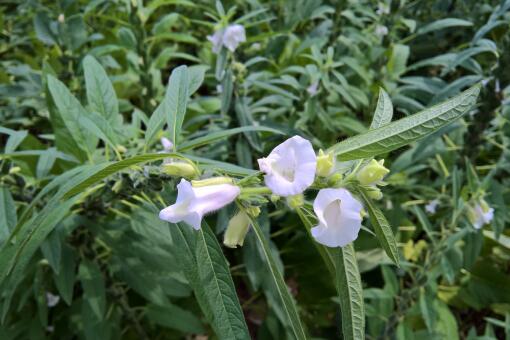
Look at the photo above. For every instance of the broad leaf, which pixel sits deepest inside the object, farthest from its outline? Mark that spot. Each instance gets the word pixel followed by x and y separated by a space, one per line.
pixel 72 114
pixel 100 92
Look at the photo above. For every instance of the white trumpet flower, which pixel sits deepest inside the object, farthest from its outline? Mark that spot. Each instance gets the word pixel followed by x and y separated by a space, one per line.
pixel 194 202
pixel 339 215
pixel 290 167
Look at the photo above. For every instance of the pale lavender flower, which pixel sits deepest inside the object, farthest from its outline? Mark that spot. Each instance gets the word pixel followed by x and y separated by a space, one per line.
pixel 431 207
pixel 194 202
pixel 290 167
pixel 339 215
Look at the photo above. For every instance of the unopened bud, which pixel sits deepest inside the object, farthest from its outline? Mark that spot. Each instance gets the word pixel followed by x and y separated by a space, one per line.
pixel 296 201
pixel 372 173
pixel 61 18
pixel 375 193
pixel 180 169
pixel 324 164
pixel 237 229
pixel 212 181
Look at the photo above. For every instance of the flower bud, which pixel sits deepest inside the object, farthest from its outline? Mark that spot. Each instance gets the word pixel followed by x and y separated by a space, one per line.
pixel 212 181
pixel 237 229
pixel 180 169
pixel 375 193
pixel 296 201
pixel 324 164
pixel 61 18
pixel 253 211
pixel 372 173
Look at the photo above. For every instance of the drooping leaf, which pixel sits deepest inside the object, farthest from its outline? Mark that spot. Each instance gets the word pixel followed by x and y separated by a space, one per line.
pixel 351 294
pixel 382 229
pixel 287 301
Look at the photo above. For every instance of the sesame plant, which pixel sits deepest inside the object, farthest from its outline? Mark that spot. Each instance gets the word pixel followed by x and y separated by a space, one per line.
pixel 254 170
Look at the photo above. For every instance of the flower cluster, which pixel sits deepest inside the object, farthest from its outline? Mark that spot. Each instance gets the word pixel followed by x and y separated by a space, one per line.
pixel 291 168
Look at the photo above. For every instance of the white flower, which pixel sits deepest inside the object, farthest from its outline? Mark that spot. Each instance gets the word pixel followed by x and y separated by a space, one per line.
pixel 167 144
pixel 313 88
pixel 233 36
pixel 382 9
pixel 61 18
pixel 194 202
pixel 381 31
pixel 339 215
pixel 52 300
pixel 431 207
pixel 290 167
pixel 480 214
pixel 217 40
pixel 229 37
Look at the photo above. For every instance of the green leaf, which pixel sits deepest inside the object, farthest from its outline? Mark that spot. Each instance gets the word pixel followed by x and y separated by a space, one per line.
pixel 108 169
pixel 288 303
pixel 64 280
pixel 174 317
pixel 383 111
pixel 93 287
pixel 214 136
pixel 72 114
pixel 100 93
pixel 443 23
pixel 382 229
pixel 177 99
pixel 8 216
pixel 406 130
pixel 207 271
pixel 351 294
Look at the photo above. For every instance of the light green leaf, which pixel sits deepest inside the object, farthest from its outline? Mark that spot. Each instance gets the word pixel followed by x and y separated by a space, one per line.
pixel 406 130
pixel 214 136
pixel 382 229
pixel 72 114
pixel 383 111
pixel 443 23
pixel 288 303
pixel 177 99
pixel 351 294
pixel 100 93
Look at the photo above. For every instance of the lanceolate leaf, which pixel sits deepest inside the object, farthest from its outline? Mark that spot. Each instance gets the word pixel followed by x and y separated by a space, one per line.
pixel 351 294
pixel 383 111
pixel 177 100
pixel 406 130
pixel 288 303
pixel 100 93
pixel 214 136
pixel 72 114
pixel 207 272
pixel 382 229
pixel 7 214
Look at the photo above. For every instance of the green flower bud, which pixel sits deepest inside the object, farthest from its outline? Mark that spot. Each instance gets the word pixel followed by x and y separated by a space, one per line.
pixel 253 211
pixel 237 229
pixel 375 193
pixel 180 169
pixel 372 173
pixel 296 201
pixel 324 164
pixel 212 181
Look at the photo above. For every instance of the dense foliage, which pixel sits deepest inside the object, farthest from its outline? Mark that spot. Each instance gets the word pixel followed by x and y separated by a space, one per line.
pixel 88 89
